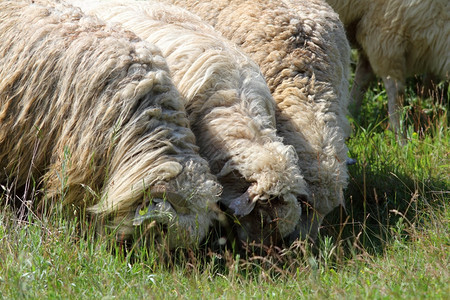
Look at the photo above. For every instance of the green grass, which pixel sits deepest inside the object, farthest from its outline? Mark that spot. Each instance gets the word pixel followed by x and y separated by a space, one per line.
pixel 391 241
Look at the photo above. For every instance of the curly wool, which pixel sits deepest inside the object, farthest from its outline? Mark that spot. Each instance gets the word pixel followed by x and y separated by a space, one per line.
pixel 304 55
pixel 399 39
pixel 231 111
pixel 91 109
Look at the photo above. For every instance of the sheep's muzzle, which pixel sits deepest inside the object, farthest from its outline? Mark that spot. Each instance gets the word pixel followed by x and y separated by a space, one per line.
pixel 162 205
pixel 261 224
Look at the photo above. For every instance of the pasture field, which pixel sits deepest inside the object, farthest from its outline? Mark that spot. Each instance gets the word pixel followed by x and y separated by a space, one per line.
pixel 392 240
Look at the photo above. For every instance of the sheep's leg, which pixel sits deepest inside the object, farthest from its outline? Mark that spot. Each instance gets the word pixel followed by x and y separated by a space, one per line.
pixel 363 77
pixel 395 92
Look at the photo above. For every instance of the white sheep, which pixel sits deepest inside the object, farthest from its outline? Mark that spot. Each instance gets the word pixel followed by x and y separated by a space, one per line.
pixel 90 112
pixel 231 111
pixel 396 39
pixel 304 55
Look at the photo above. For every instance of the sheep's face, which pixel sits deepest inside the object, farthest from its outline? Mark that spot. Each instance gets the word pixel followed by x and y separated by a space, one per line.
pixel 260 225
pixel 158 217
pixel 261 218
pixel 269 220
pixel 178 210
pixel 308 225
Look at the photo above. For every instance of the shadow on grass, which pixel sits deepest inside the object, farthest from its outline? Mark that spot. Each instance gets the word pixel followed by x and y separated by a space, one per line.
pixel 391 184
pixel 377 202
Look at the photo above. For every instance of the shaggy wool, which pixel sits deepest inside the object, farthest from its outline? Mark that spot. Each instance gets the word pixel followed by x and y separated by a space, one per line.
pixel 397 39
pixel 231 111
pixel 304 55
pixel 91 113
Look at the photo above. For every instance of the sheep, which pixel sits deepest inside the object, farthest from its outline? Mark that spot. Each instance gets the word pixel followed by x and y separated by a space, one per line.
pixel 91 113
pixel 304 55
pixel 232 114
pixel 396 39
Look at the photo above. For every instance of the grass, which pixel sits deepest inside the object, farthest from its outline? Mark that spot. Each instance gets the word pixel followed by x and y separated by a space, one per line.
pixel 391 241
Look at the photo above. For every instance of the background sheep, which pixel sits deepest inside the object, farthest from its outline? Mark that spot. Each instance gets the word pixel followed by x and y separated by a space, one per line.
pixel 231 111
pixel 88 107
pixel 302 50
pixel 396 39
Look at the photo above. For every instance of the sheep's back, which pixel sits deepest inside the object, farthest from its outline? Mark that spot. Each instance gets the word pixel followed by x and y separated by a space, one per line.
pixel 304 55
pixel 230 106
pixel 70 83
pixel 408 37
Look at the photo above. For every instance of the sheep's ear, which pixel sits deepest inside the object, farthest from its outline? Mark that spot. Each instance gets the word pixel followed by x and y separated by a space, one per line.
pixel 242 205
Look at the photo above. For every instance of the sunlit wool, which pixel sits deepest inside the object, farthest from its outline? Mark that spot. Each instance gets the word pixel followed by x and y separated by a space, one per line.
pixel 397 39
pixel 89 109
pixel 231 111
pixel 304 55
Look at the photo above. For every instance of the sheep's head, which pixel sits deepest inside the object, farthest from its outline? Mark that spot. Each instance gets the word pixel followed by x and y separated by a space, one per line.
pixel 159 214
pixel 264 219
pixel 185 204
pixel 160 200
pixel 262 191
pixel 260 225
pixel 173 204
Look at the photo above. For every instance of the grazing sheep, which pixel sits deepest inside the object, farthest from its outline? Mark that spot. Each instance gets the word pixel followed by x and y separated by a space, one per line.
pixel 396 39
pixel 91 109
pixel 231 111
pixel 303 52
